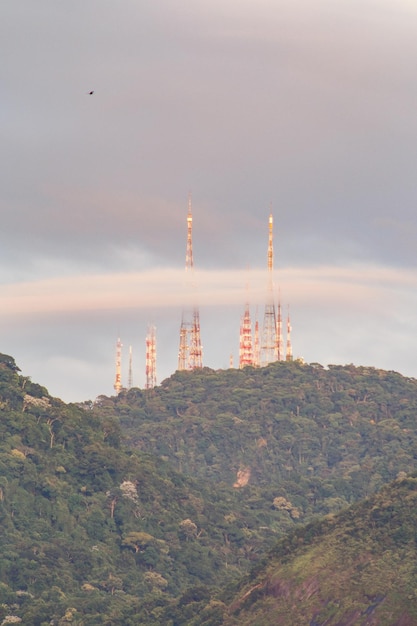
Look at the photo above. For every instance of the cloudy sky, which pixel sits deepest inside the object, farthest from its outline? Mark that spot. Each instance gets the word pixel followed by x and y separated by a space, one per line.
pixel 306 108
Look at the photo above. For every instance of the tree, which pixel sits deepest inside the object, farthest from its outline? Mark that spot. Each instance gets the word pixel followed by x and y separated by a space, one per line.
pixel 137 540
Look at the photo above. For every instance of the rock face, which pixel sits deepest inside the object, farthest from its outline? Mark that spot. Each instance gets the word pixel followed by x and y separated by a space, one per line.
pixel 242 477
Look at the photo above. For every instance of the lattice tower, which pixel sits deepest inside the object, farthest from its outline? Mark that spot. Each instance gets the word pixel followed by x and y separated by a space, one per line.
pixel 150 365
pixel 196 350
pixel 130 376
pixel 190 354
pixel 269 346
pixel 288 356
pixel 245 344
pixel 184 347
pixel 118 378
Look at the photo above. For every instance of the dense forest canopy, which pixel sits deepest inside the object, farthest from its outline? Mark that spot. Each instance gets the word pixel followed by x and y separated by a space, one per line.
pixel 321 437
pixel 144 507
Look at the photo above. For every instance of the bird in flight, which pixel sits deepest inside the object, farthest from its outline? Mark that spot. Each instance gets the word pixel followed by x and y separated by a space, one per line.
pixel 90 93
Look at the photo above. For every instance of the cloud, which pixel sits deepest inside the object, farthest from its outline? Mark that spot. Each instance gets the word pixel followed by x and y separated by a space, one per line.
pixel 166 288
pixel 63 332
pixel 305 107
pixel 243 105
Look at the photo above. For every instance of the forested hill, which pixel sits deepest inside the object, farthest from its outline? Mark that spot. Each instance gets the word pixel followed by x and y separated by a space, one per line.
pixel 302 439
pixel 93 533
pixel 355 568
pixel 143 508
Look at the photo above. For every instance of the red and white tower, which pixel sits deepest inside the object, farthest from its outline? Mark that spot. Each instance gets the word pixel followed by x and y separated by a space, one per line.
pixel 269 345
pixel 184 346
pixel 118 378
pixel 150 366
pixel 245 344
pixel 288 355
pixel 190 355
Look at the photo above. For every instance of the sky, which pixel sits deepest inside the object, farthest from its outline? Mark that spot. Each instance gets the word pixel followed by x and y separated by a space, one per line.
pixel 304 109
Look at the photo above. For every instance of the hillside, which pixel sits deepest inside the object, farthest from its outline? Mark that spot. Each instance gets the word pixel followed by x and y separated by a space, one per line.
pixel 356 568
pixel 93 533
pixel 145 507
pixel 297 439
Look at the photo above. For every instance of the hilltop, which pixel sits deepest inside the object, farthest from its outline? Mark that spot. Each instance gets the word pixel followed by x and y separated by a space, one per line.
pixel 299 439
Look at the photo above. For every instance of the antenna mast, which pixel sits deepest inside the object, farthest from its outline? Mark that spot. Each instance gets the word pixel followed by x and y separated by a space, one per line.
pixel 190 355
pixel 269 347
pixel 130 377
pixel 150 368
pixel 245 345
pixel 118 378
pixel 288 356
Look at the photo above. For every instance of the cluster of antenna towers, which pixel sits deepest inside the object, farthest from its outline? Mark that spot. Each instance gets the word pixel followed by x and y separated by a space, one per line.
pixel 260 351
pixel 255 349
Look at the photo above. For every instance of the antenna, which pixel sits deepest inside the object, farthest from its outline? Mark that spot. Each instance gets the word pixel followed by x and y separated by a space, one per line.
pixel 245 343
pixel 130 376
pixel 190 354
pixel 150 367
pixel 269 346
pixel 118 378
pixel 288 356
pixel 189 261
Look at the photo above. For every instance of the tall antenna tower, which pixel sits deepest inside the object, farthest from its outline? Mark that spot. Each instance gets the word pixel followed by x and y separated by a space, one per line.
pixel 130 376
pixel 269 345
pixel 150 367
pixel 184 347
pixel 190 355
pixel 245 344
pixel 118 378
pixel 288 356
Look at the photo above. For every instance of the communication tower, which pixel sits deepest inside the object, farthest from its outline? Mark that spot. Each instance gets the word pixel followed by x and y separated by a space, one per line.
pixel 190 355
pixel 245 344
pixel 288 356
pixel 269 345
pixel 130 376
pixel 118 378
pixel 150 367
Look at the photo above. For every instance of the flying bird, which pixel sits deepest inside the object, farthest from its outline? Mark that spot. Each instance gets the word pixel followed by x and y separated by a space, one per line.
pixel 90 93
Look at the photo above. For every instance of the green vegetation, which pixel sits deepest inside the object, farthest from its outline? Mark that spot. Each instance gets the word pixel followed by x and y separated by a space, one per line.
pixel 144 508
pixel 358 567
pixel 319 438
pixel 93 533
